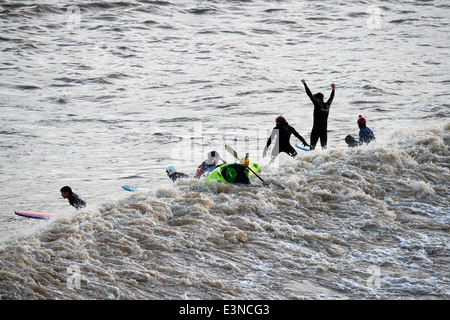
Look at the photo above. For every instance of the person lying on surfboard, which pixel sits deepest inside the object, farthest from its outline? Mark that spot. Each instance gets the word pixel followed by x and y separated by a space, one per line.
pixel 174 175
pixel 209 164
pixel 283 132
pixel 66 193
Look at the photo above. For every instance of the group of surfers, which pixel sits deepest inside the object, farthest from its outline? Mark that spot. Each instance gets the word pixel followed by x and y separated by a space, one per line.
pixel 282 132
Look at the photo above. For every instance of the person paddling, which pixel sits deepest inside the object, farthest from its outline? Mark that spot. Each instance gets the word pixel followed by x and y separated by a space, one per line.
pixel 238 172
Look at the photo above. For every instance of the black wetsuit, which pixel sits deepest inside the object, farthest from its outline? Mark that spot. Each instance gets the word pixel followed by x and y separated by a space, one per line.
pixel 284 131
pixel 75 201
pixel 321 111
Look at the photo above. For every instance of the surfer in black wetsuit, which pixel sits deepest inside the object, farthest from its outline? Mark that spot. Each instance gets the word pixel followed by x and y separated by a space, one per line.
pixel 283 132
pixel 66 193
pixel 321 111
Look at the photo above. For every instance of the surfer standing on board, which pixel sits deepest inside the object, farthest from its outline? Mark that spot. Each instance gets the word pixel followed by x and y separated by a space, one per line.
pixel 321 111
pixel 66 193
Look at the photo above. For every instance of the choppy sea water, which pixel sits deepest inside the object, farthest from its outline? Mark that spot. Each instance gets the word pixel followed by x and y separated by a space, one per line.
pixel 97 94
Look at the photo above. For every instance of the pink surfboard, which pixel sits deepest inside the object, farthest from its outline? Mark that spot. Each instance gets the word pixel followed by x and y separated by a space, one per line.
pixel 36 215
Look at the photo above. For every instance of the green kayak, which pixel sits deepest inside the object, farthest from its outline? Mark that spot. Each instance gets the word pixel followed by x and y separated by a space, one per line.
pixel 219 173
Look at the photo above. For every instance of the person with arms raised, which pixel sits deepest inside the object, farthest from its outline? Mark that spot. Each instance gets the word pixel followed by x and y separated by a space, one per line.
pixel 321 112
